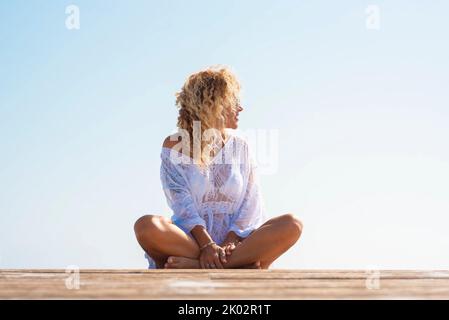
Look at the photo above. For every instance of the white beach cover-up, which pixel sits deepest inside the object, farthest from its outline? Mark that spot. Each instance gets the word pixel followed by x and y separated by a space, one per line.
pixel 223 197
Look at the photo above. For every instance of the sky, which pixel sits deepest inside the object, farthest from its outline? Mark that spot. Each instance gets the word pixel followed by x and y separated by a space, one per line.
pixel 356 92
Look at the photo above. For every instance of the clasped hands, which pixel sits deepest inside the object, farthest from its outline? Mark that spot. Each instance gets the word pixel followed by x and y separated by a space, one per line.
pixel 214 256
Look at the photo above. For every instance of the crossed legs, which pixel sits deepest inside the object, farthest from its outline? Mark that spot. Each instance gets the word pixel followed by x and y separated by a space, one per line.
pixel 161 239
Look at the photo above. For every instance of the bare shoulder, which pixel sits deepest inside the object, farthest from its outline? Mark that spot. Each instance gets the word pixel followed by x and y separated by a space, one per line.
pixel 171 141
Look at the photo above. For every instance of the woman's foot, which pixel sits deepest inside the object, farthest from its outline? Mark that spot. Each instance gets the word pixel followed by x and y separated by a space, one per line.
pixel 188 263
pixel 182 263
pixel 255 265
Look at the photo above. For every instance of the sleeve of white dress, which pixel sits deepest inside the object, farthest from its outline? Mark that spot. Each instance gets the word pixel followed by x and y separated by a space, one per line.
pixel 179 197
pixel 251 214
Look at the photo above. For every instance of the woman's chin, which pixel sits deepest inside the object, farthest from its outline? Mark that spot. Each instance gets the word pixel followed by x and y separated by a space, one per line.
pixel 232 126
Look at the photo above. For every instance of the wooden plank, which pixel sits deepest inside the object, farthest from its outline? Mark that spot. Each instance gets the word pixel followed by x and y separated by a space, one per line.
pixel 226 284
pixel 244 273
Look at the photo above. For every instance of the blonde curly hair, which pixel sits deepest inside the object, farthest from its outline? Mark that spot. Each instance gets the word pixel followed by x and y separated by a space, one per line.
pixel 206 97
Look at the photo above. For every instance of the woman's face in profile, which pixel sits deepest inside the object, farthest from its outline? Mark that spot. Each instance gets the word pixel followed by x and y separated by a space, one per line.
pixel 232 116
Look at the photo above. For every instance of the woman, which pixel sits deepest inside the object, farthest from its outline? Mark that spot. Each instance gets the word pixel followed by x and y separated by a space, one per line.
pixel 210 182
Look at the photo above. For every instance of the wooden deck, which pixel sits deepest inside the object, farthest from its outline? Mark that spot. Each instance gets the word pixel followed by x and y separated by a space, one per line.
pixel 223 284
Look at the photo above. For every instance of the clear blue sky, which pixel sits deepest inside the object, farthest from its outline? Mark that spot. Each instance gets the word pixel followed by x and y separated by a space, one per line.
pixel 362 118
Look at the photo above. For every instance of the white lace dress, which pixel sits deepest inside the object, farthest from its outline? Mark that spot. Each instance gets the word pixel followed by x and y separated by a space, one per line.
pixel 222 197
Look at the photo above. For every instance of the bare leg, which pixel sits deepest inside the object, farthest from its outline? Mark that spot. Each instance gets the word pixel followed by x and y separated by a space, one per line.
pixel 160 238
pixel 267 243
pixel 168 245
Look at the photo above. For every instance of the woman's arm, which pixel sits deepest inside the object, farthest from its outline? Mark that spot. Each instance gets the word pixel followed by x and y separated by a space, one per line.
pixel 179 198
pixel 201 235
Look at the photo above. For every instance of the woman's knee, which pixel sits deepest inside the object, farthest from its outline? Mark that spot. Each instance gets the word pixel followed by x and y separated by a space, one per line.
pixel 148 225
pixel 292 225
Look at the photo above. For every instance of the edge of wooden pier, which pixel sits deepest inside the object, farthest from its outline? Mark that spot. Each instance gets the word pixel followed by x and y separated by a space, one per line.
pixel 223 284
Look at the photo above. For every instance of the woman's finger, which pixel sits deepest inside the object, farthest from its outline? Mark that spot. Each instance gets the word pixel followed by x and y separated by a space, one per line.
pixel 215 260
pixel 230 248
pixel 211 260
pixel 217 263
pixel 223 255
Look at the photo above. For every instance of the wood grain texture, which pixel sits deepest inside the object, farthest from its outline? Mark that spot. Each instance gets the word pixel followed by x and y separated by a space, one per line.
pixel 225 284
